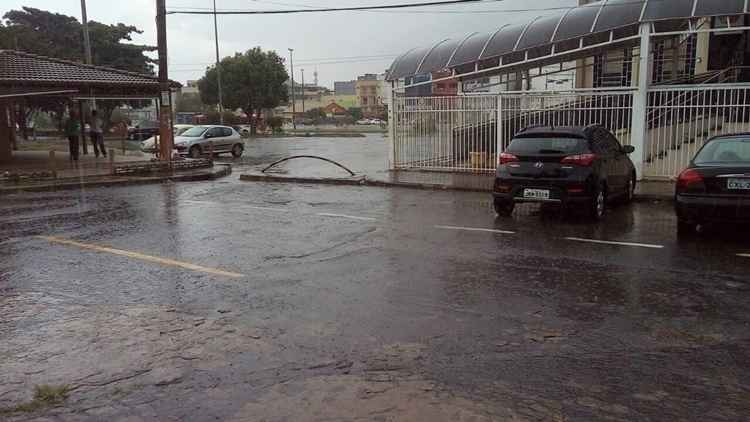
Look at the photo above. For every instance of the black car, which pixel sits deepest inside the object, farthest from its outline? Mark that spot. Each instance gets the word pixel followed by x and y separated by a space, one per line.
pixel 143 130
pixel 581 167
pixel 716 184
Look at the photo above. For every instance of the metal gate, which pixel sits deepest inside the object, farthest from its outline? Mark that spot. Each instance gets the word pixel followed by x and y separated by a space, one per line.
pixel 681 119
pixel 465 133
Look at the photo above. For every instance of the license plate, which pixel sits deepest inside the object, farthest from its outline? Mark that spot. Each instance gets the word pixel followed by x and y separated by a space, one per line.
pixel 738 184
pixel 536 193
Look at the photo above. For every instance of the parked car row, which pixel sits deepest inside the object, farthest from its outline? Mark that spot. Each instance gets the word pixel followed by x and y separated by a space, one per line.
pixel 586 168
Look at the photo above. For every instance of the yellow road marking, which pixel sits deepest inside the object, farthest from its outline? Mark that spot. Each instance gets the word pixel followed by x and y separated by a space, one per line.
pixel 142 257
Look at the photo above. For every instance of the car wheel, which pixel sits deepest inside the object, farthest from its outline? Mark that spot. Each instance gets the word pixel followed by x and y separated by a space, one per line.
pixel 504 209
pixel 195 151
pixel 237 150
pixel 686 228
pixel 598 205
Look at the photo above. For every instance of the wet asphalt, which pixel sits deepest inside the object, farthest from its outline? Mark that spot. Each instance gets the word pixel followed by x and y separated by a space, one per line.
pixel 520 318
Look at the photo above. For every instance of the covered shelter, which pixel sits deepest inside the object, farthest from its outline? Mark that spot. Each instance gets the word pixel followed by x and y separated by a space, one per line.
pixel 663 75
pixel 25 75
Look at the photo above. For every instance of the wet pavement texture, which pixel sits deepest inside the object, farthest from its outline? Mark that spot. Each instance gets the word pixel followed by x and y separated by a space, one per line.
pixel 363 155
pixel 237 301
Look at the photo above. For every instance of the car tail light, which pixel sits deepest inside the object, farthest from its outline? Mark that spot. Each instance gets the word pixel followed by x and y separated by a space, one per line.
pixel 576 189
pixel 583 160
pixel 690 180
pixel 505 158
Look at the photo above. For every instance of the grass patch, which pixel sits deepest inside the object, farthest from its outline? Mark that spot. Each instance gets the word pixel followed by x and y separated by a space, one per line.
pixel 45 396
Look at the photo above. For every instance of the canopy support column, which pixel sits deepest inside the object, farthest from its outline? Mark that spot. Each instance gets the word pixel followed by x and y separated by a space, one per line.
pixel 392 127
pixel 82 122
pixel 6 152
pixel 640 100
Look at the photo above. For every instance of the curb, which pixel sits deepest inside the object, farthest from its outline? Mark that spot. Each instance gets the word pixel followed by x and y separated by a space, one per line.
pixel 364 181
pixel 224 170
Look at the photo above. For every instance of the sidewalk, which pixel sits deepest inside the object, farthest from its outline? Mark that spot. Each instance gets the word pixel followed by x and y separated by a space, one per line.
pixel 218 171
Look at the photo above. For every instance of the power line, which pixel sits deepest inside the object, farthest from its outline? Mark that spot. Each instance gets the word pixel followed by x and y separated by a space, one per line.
pixel 312 61
pixel 313 9
pixel 321 63
pixel 333 9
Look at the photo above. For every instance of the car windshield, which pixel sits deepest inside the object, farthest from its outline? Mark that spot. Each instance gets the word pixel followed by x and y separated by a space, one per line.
pixel 729 151
pixel 180 130
pixel 194 132
pixel 552 145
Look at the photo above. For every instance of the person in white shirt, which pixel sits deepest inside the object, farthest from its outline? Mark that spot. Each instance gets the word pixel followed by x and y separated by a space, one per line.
pixel 97 134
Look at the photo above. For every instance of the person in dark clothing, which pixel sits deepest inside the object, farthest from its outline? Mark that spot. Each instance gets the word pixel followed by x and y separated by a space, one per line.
pixel 72 130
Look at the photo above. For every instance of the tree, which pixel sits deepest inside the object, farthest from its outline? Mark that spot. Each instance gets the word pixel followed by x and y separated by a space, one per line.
pixel 252 81
pixel 60 36
pixel 189 103
pixel 356 113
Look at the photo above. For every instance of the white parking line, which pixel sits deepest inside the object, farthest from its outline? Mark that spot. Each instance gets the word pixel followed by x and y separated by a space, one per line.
pixel 264 208
pixel 744 255
pixel 352 217
pixel 475 229
pixel 608 242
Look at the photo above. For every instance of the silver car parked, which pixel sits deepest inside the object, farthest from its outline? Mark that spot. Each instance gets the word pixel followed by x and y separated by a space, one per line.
pixel 196 141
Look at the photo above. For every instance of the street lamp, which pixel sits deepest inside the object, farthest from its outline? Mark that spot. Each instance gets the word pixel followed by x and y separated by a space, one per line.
pixel 291 66
pixel 303 92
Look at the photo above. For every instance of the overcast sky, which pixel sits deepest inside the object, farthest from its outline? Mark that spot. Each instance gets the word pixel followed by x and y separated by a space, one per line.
pixel 322 41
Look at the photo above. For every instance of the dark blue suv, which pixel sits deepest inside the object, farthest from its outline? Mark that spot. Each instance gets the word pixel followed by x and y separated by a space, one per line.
pixel 575 167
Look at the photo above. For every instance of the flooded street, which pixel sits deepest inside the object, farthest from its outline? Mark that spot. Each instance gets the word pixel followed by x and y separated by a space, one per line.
pixel 238 301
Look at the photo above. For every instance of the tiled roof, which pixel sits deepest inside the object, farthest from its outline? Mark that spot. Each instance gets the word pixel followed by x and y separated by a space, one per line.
pixel 26 68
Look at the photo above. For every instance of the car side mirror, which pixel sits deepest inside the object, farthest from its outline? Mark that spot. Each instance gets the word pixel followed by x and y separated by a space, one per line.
pixel 628 149
pixel 207 136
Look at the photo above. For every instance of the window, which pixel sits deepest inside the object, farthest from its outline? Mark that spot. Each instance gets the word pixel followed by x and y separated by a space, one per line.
pixel 551 145
pixel 194 132
pixel 214 132
pixel 225 131
pixel 725 151
pixel 613 144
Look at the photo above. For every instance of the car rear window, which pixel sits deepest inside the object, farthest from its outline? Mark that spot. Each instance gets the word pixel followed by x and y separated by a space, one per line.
pixel 545 145
pixel 728 151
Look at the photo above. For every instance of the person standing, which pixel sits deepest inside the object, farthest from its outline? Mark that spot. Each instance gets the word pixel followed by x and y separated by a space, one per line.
pixel 72 129
pixel 97 134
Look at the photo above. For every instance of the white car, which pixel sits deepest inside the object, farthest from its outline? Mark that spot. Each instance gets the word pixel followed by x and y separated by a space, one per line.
pixel 149 145
pixel 196 141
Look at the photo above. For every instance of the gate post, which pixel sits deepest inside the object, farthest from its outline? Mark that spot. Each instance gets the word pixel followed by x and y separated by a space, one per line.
pixel 639 126
pixel 499 129
pixel 392 127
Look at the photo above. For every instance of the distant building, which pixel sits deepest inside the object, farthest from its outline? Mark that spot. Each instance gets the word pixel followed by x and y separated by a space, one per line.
pixel 190 87
pixel 334 109
pixel 370 88
pixel 345 87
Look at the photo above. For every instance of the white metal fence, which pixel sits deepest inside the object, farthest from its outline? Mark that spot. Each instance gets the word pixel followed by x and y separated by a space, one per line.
pixel 465 133
pixel 681 119
pixel 462 133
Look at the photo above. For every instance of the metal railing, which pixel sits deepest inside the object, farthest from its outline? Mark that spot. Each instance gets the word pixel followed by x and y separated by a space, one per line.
pixel 462 133
pixel 681 119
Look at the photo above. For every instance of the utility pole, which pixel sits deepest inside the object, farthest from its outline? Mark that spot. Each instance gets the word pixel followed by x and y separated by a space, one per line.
pixel 291 65
pixel 218 68
pixel 87 55
pixel 166 142
pixel 303 91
